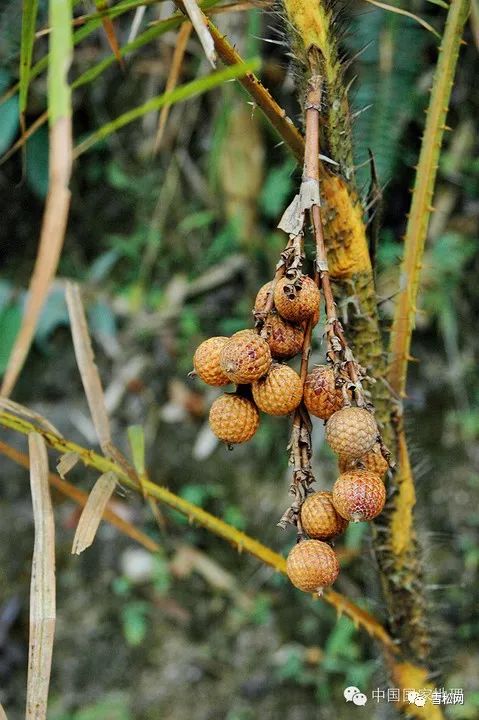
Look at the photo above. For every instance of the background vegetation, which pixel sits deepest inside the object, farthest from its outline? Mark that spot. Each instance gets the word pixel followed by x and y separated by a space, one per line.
pixel 170 248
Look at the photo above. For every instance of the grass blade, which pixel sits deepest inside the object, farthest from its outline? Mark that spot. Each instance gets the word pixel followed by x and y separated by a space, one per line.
pixel 42 589
pixel 92 514
pixel 58 198
pixel 87 366
pixel 180 94
pixel 29 18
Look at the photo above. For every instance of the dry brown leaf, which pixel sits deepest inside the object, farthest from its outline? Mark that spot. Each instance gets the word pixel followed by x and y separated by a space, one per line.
pixel 3 714
pixel 87 366
pixel 200 24
pixel 173 75
pixel 93 512
pixel 51 242
pixel 66 463
pixel 42 589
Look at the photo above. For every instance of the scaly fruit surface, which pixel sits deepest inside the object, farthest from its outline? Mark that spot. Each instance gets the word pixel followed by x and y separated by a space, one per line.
pixel 262 296
pixel 233 418
pixel 279 392
pixel 351 432
pixel 321 396
pixel 284 339
pixel 359 495
pixel 206 361
pixel 319 518
pixel 296 301
pixel 373 461
pixel 312 565
pixel 245 357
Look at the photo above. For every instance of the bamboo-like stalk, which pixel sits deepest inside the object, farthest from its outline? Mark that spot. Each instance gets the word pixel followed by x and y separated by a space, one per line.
pixel 402 534
pixel 421 205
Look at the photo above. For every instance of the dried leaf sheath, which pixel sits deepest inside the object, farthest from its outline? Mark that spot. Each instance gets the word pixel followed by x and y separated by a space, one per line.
pixel 42 590
pixel 93 512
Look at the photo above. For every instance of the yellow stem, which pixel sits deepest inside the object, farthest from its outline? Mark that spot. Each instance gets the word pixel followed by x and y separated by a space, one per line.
pixel 196 514
pixel 421 205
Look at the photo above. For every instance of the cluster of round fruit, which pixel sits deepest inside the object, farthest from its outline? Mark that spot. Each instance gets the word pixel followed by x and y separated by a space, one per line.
pixel 358 494
pixel 250 360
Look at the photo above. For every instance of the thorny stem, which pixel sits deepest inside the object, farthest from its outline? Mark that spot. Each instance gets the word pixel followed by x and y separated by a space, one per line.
pixel 338 351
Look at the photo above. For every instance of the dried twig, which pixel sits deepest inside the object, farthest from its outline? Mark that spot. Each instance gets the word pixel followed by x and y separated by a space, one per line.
pixel 173 75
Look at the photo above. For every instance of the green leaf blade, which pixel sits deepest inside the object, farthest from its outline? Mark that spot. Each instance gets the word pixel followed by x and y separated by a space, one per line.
pixel 29 19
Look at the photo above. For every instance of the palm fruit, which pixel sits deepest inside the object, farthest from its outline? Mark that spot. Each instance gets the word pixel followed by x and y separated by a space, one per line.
pixel 233 418
pixel 359 495
pixel 206 361
pixel 319 518
pixel 284 339
pixel 279 392
pixel 312 565
pixel 245 357
pixel 351 432
pixel 296 301
pixel 373 461
pixel 262 296
pixel 321 396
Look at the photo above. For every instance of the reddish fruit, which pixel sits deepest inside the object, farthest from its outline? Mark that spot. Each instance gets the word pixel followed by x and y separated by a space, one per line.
pixel 359 495
pixel 245 357
pixel 284 339
pixel 351 432
pixel 319 518
pixel 279 392
pixel 321 396
pixel 206 361
pixel 312 565
pixel 234 419
pixel 296 300
pixel 373 461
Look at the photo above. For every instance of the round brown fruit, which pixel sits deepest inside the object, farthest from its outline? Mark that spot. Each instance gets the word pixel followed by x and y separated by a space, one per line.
pixel 296 301
pixel 262 296
pixel 319 518
pixel 373 461
pixel 233 419
pixel 312 565
pixel 279 392
pixel 351 432
pixel 284 339
pixel 245 357
pixel 321 396
pixel 206 361
pixel 359 495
